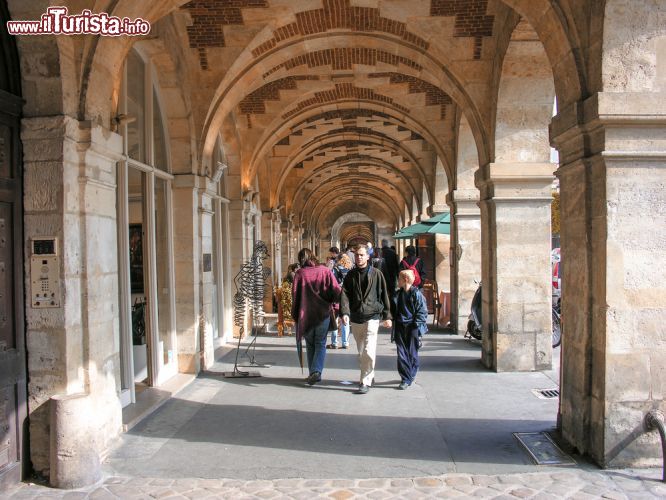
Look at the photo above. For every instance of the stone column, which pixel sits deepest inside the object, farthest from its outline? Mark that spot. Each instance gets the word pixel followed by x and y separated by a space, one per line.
pixel 612 178
pixel 515 238
pixel 465 253
pixel 208 286
pixel 70 194
pixel 236 237
pixel 276 245
pixel 291 239
pixel 187 251
pixel 267 236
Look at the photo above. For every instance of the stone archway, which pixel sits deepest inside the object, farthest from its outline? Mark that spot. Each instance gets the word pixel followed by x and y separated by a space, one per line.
pixel 515 198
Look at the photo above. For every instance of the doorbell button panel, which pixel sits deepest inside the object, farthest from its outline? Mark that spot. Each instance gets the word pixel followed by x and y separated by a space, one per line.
pixel 45 273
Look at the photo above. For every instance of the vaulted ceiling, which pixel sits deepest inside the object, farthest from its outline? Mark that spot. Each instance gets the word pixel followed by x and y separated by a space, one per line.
pixel 334 104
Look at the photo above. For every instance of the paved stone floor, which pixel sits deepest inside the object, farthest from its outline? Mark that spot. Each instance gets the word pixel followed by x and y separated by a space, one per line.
pixel 449 435
pixel 575 484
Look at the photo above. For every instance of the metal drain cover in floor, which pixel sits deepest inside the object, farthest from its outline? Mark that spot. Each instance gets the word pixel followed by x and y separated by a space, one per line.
pixel 546 393
pixel 542 449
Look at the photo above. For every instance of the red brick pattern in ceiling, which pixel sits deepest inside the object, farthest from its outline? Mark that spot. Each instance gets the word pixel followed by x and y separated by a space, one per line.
pixel 343 91
pixel 471 19
pixel 339 14
pixel 434 95
pixel 208 17
pixel 343 58
pixel 351 146
pixel 255 102
pixel 348 115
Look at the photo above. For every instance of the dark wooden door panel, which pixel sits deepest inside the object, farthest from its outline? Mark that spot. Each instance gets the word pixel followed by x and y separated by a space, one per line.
pixel 7 331
pixel 5 151
pixel 12 336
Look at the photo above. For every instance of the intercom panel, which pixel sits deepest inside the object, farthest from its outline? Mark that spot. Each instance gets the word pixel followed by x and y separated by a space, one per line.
pixel 45 273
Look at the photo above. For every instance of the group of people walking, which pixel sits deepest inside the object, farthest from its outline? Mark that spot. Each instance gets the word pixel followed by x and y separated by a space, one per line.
pixel 360 298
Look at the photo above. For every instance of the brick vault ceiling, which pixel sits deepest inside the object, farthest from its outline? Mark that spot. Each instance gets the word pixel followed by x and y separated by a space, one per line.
pixel 344 112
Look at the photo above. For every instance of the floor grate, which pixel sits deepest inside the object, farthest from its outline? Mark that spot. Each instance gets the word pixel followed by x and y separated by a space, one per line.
pixel 542 449
pixel 546 393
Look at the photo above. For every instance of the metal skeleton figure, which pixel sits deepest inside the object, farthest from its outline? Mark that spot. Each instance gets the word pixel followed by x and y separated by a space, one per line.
pixel 250 283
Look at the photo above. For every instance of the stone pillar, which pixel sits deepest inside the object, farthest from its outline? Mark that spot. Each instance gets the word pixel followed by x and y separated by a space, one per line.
pixel 465 254
pixel 208 287
pixel 187 251
pixel 291 239
pixel 70 193
pixel 613 219
pixel 285 246
pixel 267 236
pixel 276 245
pixel 515 238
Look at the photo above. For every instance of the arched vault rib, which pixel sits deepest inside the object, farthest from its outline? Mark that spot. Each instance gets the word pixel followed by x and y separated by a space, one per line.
pixel 362 160
pixel 319 146
pixel 244 77
pixel 334 184
pixel 336 216
pixel 277 130
pixel 353 190
pixel 377 211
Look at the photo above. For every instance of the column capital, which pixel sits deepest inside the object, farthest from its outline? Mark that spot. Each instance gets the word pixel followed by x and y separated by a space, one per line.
pixel 464 202
pixel 592 126
pixel 515 181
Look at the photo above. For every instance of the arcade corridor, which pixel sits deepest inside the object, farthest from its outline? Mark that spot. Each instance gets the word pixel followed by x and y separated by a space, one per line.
pixel 139 171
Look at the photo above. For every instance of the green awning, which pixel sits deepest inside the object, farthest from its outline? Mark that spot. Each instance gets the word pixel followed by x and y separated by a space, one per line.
pixel 439 224
pixel 440 228
pixel 443 217
pixel 413 230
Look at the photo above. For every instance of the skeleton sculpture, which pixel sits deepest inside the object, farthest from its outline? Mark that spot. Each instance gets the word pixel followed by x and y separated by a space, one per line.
pixel 250 283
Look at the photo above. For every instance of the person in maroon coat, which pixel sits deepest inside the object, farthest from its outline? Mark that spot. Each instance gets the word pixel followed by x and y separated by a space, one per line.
pixel 314 292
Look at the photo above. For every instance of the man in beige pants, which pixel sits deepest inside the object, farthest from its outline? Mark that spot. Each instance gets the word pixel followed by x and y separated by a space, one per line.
pixel 365 302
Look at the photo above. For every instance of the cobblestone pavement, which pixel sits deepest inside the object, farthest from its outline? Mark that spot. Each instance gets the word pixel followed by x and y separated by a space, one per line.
pixel 570 483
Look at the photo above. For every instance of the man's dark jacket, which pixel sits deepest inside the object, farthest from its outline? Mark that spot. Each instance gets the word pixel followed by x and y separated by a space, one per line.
pixel 362 307
pixel 390 268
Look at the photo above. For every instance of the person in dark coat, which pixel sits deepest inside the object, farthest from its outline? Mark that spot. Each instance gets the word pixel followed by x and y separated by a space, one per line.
pixel 411 316
pixel 364 302
pixel 412 260
pixel 314 292
pixel 390 268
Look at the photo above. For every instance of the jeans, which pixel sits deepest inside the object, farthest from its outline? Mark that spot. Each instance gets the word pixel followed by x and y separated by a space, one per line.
pixel 315 345
pixel 344 331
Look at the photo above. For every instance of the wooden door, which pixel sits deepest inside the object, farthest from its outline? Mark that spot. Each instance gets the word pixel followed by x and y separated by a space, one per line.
pixel 12 337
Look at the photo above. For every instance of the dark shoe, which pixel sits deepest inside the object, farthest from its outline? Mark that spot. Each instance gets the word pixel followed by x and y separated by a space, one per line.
pixel 362 389
pixel 403 386
pixel 331 346
pixel 344 347
pixel 313 378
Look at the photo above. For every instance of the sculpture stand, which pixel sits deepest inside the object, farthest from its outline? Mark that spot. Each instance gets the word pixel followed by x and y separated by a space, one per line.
pixel 240 373
pixel 253 345
pixel 250 285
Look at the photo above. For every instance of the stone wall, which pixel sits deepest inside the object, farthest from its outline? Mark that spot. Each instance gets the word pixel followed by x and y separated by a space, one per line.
pixel 70 194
